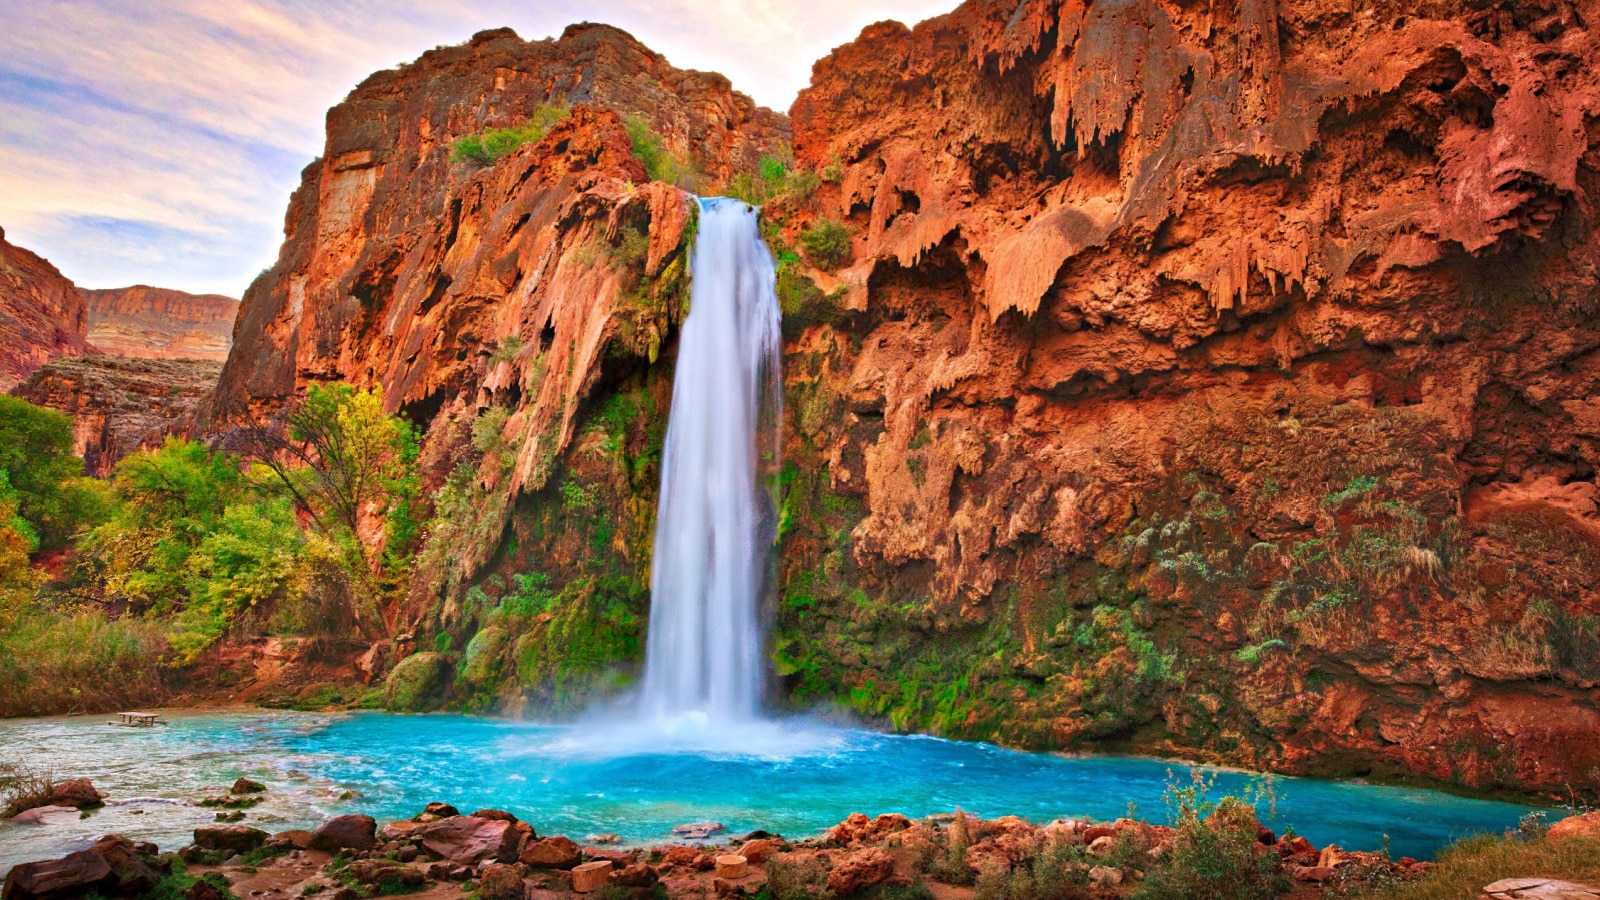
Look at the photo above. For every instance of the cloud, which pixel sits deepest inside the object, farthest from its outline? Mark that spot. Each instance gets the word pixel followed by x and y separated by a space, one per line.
pixel 158 142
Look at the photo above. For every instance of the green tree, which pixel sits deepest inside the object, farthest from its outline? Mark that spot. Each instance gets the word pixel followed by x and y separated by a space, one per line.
pixel 345 460
pixel 44 476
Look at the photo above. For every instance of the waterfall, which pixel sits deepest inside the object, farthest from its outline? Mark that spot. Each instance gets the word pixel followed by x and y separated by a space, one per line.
pixel 716 519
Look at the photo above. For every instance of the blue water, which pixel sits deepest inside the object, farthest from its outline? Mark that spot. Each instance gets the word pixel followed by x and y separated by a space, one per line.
pixel 577 780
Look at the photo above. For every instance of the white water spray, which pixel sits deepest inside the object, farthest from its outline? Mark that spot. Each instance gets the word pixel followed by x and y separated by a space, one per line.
pixel 716 522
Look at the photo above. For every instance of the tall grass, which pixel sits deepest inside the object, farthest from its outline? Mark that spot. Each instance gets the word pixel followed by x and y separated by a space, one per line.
pixel 1466 867
pixel 80 662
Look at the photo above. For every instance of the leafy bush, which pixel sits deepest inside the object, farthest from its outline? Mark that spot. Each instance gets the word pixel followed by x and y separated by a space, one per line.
pixel 807 880
pixel 487 147
pixel 827 243
pixel 775 176
pixel 1055 873
pixel 1213 853
pixel 40 476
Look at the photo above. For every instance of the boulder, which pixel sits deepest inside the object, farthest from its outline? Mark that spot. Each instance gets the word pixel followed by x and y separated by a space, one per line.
pixel 399 831
pixel 467 841
pixel 551 853
pixel 417 682
pixel 859 871
pixel 111 867
pixel 638 875
pixel 204 890
pixel 77 792
pixel 442 810
pixel 238 838
pixel 1586 825
pixel 1096 832
pixel 606 837
pixel 758 850
pixel 347 832
pixel 246 786
pixel 1103 845
pixel 500 882
pixel 591 876
pixel 498 815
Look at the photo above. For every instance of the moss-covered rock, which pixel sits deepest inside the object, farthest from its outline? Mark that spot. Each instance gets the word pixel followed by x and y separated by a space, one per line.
pixel 482 663
pixel 417 682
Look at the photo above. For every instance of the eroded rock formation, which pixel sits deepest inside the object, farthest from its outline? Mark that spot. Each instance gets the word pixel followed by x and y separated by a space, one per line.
pixel 41 314
pixel 118 404
pixel 159 323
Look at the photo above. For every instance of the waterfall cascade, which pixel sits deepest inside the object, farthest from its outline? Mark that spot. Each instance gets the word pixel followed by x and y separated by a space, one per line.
pixel 716 519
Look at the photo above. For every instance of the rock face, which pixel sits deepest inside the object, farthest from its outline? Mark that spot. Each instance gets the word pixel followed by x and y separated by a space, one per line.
pixel 119 404
pixel 1208 381
pixel 158 323
pixel 41 314
pixel 1225 371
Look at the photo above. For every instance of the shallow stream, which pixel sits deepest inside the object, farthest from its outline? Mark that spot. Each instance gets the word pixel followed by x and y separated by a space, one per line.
pixel 579 780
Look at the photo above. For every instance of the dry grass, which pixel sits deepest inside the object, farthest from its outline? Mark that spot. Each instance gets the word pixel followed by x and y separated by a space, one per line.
pixel 23 787
pixel 1467 866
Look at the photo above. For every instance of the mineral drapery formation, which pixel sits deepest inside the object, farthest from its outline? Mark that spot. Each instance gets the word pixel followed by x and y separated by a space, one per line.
pixel 41 314
pixel 1217 380
pixel 158 323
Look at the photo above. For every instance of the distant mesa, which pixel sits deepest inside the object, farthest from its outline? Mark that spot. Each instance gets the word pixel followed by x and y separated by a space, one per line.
pixel 157 323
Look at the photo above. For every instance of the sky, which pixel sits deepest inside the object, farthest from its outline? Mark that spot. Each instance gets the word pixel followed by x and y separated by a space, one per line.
pixel 157 141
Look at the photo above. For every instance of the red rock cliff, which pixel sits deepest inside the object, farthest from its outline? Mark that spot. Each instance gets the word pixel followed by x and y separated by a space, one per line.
pixel 1231 369
pixel 158 323
pixel 41 314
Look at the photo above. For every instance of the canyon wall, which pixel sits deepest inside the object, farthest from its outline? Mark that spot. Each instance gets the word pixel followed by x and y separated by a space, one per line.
pixel 159 323
pixel 1207 380
pixel 120 404
pixel 41 314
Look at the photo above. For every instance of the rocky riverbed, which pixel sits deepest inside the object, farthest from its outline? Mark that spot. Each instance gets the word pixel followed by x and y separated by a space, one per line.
pixel 496 855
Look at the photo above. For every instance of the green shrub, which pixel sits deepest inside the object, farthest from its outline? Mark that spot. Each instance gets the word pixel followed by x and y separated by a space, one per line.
pixel 650 149
pixel 827 243
pixel 487 147
pixel 1213 852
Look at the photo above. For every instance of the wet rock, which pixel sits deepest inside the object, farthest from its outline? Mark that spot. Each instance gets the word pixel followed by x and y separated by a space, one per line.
pixel 551 853
pixel 247 786
pixel 591 876
pixel 467 841
pixel 500 882
pixel 1586 825
pixel 76 792
pixel 238 838
pixel 407 854
pixel 498 815
pixel 400 831
pixel 347 832
pixel 859 871
pixel 235 816
pixel 442 810
pixel 47 815
pixel 111 867
pixel 698 831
